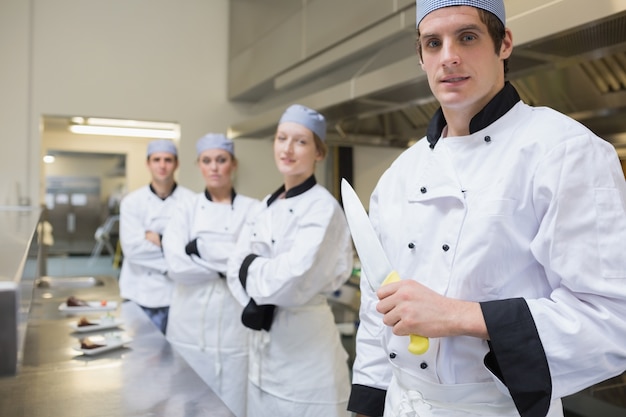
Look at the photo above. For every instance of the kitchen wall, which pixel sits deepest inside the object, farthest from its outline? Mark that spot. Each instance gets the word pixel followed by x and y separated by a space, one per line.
pixel 145 59
pixel 17 158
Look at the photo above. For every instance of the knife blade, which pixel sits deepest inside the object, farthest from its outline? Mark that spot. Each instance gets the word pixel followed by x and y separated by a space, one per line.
pixel 374 261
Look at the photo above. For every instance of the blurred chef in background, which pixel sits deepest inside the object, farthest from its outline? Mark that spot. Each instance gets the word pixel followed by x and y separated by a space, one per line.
pixel 204 324
pixel 293 252
pixel 144 213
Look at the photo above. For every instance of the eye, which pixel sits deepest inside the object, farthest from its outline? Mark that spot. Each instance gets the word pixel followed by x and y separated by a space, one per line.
pixel 280 138
pixel 206 161
pixel 221 160
pixel 468 37
pixel 432 43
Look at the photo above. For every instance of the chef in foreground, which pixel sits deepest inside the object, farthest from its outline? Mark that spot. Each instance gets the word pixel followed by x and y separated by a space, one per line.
pixel 507 224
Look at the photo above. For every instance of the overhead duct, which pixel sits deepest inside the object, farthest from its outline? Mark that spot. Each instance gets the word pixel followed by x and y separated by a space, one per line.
pixel 573 62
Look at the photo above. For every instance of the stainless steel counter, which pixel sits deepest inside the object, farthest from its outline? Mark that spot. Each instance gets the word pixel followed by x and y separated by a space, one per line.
pixel 146 378
pixel 18 269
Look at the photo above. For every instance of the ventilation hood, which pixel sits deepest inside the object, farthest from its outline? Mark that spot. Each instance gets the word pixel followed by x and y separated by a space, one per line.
pixel 580 72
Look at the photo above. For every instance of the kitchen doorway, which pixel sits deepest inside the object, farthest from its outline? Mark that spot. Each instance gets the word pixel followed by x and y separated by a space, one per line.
pixel 82 191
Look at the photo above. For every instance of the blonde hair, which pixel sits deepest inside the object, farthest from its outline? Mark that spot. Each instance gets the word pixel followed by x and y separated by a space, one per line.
pixel 321 146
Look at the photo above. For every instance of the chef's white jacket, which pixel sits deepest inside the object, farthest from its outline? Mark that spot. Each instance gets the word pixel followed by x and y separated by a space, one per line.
pixel 527 216
pixel 143 278
pixel 204 319
pixel 304 253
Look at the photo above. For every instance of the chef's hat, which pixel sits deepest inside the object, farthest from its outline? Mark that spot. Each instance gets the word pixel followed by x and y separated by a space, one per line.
pixel 306 117
pixel 215 141
pixel 162 145
pixel 423 7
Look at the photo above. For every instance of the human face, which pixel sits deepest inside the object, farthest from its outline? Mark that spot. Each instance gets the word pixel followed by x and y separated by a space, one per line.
pixel 295 153
pixel 458 57
pixel 162 166
pixel 216 166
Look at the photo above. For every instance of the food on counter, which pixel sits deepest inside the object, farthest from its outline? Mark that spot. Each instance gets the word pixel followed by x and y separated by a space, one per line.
pixel 74 305
pixel 75 302
pixel 83 321
pixel 94 345
pixel 88 343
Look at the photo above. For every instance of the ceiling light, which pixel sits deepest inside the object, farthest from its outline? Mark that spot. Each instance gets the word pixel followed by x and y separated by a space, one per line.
pixel 138 124
pixel 48 159
pixel 125 131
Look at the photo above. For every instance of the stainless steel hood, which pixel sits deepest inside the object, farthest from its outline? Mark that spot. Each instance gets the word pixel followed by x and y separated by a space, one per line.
pixel 580 72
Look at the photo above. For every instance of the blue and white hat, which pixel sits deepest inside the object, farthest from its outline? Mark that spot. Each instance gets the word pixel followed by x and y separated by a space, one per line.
pixel 423 7
pixel 162 145
pixel 215 141
pixel 306 117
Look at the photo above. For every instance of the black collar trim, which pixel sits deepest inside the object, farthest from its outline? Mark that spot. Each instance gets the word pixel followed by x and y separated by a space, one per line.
pixel 499 105
pixel 233 194
pixel 295 191
pixel 163 198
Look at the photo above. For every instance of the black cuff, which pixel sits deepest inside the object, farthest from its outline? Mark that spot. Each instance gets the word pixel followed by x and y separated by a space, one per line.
pixel 366 400
pixel 258 317
pixel 192 248
pixel 516 355
pixel 243 270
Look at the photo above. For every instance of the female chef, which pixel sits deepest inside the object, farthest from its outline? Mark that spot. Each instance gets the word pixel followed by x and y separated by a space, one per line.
pixel 204 324
pixel 292 252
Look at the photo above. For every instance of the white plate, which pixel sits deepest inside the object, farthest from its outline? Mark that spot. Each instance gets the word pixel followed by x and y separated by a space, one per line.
pixel 97 325
pixel 90 307
pixel 110 344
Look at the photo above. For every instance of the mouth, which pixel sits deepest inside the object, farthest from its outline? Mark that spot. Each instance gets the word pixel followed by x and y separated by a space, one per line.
pixel 451 80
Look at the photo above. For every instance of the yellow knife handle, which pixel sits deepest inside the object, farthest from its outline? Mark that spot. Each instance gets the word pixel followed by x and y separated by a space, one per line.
pixel 418 344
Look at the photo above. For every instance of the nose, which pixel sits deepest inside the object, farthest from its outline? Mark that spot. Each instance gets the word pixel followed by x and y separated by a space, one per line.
pixel 288 146
pixel 449 54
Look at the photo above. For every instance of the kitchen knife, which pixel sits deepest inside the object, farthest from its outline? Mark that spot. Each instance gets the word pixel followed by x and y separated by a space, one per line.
pixel 374 261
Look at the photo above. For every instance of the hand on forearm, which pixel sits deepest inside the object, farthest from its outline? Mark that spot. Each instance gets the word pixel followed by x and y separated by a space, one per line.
pixel 153 237
pixel 411 308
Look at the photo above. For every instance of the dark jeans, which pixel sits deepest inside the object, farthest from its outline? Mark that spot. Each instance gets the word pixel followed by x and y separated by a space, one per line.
pixel 158 315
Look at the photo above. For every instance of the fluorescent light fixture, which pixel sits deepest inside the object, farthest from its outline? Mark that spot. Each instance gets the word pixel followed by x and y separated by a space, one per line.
pixel 137 124
pixel 124 127
pixel 48 159
pixel 125 131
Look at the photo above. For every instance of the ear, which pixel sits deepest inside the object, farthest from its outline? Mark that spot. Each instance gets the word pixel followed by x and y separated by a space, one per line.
pixel 507 44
